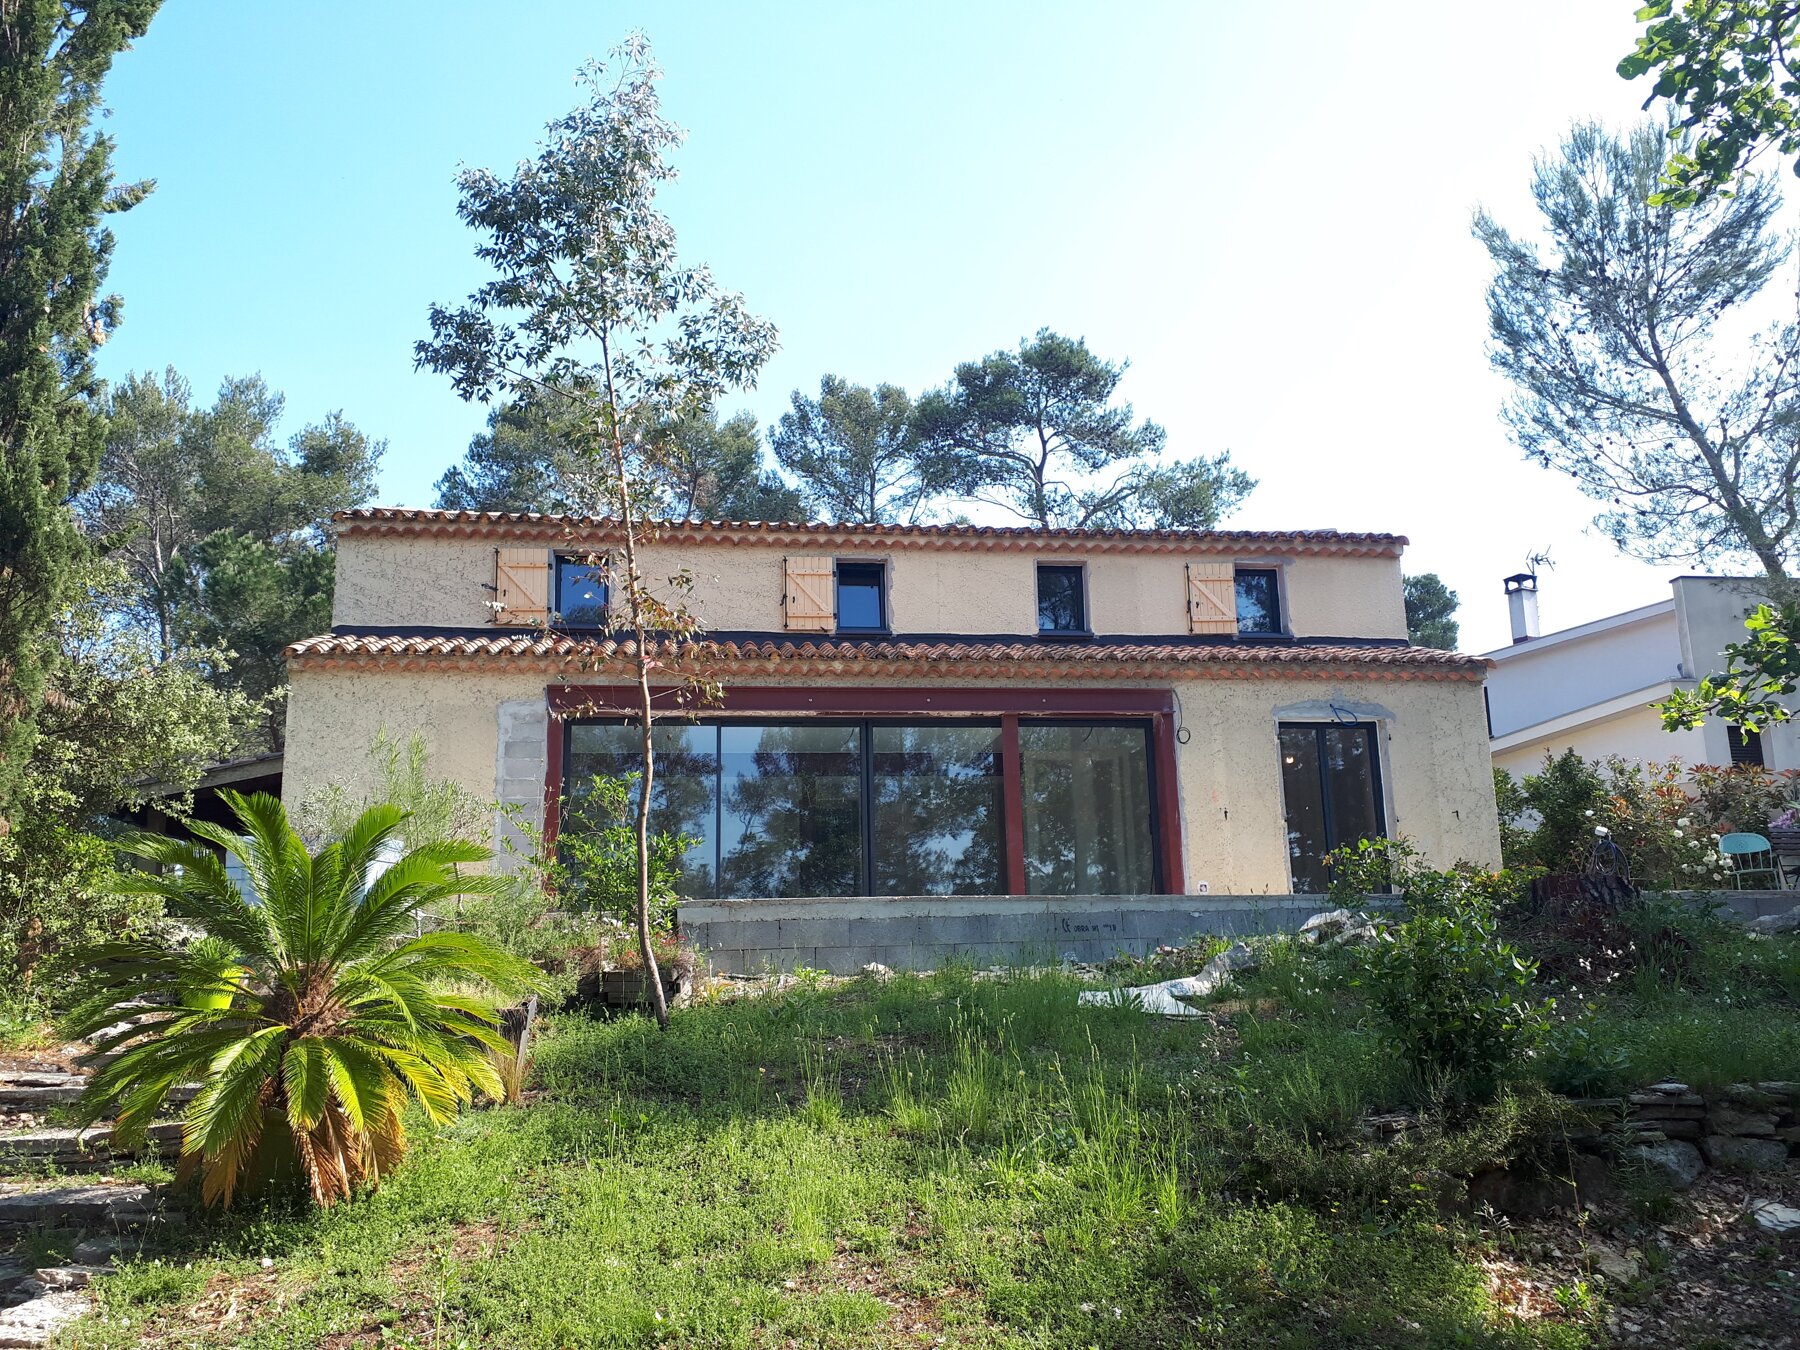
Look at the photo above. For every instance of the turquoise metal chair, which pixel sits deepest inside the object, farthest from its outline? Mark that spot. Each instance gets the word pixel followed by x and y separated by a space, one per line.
pixel 1741 849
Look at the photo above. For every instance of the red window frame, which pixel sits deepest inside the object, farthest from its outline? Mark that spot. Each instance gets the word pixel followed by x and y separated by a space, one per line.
pixel 567 701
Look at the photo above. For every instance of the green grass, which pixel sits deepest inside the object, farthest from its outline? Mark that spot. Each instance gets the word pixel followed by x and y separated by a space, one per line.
pixel 973 1160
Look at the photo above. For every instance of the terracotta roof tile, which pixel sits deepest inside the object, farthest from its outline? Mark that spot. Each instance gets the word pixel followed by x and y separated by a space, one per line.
pixel 563 529
pixel 936 654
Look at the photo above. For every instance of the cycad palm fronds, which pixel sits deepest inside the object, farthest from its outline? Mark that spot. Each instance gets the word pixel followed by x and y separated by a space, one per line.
pixel 335 1018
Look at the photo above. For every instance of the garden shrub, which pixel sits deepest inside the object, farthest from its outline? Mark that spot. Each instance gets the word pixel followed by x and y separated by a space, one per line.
pixel 1730 797
pixel 1456 1001
pixel 1662 819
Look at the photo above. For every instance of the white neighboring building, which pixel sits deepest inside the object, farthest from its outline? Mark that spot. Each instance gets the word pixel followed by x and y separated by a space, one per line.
pixel 1590 688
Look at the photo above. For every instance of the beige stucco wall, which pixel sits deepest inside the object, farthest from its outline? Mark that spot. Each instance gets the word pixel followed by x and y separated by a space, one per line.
pixel 1432 739
pixel 442 582
pixel 334 717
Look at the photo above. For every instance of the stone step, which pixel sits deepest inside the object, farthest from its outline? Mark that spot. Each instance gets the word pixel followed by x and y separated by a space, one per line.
pixel 72 1206
pixel 37 1321
pixel 68 1277
pixel 12 1078
pixel 88 1147
pixel 33 1098
pixel 41 1097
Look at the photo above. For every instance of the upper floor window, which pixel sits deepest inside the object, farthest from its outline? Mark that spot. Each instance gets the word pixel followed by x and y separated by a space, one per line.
pixel 861 597
pixel 1746 746
pixel 581 593
pixel 1258 600
pixel 1062 601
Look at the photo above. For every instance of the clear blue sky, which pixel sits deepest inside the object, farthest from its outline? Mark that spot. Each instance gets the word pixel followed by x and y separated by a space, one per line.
pixel 1264 207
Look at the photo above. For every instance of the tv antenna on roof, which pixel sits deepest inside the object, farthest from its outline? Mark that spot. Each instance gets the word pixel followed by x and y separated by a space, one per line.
pixel 1539 562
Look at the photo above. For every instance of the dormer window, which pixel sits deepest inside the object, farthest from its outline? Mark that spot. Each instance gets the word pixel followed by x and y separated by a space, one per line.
pixel 1258 600
pixel 861 597
pixel 581 592
pixel 1062 600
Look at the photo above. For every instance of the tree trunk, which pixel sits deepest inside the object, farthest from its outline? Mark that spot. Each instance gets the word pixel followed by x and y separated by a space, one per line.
pixel 646 719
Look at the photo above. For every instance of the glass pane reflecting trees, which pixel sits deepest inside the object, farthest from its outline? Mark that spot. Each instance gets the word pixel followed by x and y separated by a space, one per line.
pixel 821 808
pixel 1331 784
pixel 1086 796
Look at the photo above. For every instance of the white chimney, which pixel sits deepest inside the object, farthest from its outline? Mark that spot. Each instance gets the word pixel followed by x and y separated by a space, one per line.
pixel 1521 600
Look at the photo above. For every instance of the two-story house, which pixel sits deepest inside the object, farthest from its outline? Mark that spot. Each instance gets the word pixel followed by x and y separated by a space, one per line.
pixel 908 711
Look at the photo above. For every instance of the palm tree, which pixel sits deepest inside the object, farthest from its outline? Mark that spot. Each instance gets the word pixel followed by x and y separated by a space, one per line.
pixel 310 1015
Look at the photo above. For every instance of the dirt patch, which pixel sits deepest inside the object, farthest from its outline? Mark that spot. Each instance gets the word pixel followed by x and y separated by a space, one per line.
pixel 1700 1275
pixel 945 1316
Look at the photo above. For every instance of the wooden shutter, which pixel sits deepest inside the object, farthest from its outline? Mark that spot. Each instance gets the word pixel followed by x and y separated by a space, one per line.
pixel 811 601
pixel 1212 597
pixel 522 586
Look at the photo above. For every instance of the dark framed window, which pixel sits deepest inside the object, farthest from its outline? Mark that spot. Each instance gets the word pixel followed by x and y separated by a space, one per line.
pixel 1258 600
pixel 862 597
pixel 580 593
pixel 1062 599
pixel 1331 788
pixel 887 806
pixel 1746 746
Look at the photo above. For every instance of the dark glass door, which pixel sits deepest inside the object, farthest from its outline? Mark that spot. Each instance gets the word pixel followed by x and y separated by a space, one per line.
pixel 1331 786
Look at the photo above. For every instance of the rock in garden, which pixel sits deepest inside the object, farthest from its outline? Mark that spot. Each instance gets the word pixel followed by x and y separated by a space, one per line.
pixel 1679 1163
pixel 1670 1088
pixel 1789 1134
pixel 1750 1095
pixel 1724 1119
pixel 1777 923
pixel 1614 1264
pixel 1671 1129
pixel 1774 1217
pixel 1786 1092
pixel 36 1322
pixel 876 971
pixel 1745 1155
pixel 1653 1101
pixel 69 1277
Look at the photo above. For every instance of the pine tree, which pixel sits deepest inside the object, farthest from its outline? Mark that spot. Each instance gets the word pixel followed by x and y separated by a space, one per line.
pixel 55 185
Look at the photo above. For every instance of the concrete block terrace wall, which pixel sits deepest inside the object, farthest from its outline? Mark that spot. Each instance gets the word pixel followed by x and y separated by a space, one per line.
pixel 744 937
pixel 841 936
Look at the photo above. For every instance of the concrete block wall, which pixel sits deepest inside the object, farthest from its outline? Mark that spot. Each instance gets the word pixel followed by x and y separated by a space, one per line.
pixel 742 937
pixel 923 932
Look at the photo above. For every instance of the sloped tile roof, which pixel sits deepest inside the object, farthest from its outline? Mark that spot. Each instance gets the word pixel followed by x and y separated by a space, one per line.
pixel 516 525
pixel 1116 657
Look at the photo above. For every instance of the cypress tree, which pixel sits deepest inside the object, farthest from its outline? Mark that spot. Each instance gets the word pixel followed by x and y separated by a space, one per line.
pixel 55 186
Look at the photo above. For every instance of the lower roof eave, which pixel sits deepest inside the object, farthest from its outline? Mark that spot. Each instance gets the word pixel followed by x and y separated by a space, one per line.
pixel 550 660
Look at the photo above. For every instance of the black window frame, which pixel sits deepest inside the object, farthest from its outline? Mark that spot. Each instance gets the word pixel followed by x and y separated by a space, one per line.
pixel 1278 626
pixel 581 560
pixel 880 571
pixel 1079 571
pixel 1377 783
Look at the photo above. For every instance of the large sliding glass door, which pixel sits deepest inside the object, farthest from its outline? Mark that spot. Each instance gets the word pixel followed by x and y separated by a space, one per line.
pixel 1331 786
pixel 890 807
pixel 1086 792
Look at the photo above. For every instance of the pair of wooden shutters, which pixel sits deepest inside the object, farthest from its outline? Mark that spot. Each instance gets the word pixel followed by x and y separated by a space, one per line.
pixel 1212 597
pixel 810 600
